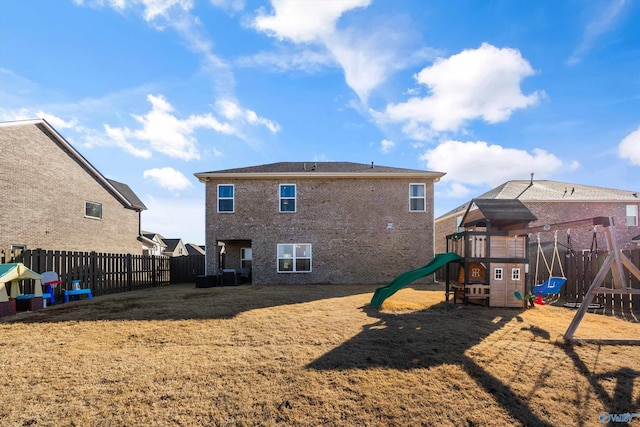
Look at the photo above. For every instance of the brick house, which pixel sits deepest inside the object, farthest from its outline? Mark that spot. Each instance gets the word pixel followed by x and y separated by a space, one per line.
pixel 53 198
pixel 555 202
pixel 319 222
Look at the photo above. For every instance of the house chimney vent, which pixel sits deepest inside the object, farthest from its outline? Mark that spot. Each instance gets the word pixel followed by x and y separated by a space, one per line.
pixel 372 166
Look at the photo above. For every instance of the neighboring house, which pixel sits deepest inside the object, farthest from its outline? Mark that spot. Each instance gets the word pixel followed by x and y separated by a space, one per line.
pixel 53 198
pixel 194 249
pixel 553 202
pixel 175 247
pixel 329 222
pixel 152 243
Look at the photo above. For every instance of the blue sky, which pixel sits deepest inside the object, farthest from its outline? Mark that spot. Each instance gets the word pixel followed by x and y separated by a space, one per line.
pixel 153 91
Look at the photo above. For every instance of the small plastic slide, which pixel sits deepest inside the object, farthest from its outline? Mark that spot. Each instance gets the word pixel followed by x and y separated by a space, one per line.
pixel 384 292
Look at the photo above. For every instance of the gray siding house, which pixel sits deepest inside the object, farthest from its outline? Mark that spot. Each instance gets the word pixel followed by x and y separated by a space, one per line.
pixel 319 222
pixel 53 198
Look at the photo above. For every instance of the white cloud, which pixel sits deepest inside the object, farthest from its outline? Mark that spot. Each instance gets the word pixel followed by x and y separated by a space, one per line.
pixel 386 145
pixel 306 60
pixel 233 112
pixel 168 178
pixel 604 19
pixel 176 15
pixel 479 163
pixel 117 137
pixel 229 5
pixel 481 83
pixel 304 21
pixel 455 190
pixel 163 132
pixel 629 147
pixel 58 123
pixel 367 57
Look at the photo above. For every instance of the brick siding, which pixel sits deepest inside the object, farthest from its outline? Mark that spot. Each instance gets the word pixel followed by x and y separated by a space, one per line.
pixel 344 219
pixel 43 193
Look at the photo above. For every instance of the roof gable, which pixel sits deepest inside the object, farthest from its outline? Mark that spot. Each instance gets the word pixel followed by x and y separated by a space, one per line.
pixel 120 191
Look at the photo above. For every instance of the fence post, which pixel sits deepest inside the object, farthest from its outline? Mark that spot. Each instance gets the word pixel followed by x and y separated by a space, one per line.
pixel 129 263
pixel 153 271
pixel 93 271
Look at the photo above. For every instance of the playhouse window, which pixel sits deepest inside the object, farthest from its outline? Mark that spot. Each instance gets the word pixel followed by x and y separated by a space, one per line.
pixel 417 200
pixel 294 258
pixel 515 274
pixel 498 273
pixel 93 210
pixel 632 215
pixel 287 197
pixel 225 198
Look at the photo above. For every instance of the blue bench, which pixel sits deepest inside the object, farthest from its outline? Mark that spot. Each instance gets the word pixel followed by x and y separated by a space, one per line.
pixel 77 293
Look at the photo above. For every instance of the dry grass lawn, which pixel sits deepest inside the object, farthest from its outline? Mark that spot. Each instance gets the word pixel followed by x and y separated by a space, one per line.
pixel 309 355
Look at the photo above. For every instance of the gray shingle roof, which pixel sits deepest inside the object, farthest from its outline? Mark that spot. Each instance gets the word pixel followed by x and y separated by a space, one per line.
pixel 128 193
pixel 318 168
pixel 547 191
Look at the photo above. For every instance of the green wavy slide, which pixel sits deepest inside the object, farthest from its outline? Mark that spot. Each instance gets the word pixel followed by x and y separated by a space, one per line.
pixel 384 292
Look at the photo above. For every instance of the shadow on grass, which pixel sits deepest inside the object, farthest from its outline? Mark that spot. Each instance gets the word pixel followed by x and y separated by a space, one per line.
pixel 185 301
pixel 621 401
pixel 438 335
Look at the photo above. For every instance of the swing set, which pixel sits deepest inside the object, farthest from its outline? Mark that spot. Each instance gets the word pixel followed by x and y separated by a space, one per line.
pixel 615 263
pixel 554 283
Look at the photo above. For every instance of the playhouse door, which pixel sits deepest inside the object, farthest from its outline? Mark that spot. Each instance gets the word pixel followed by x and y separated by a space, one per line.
pixel 506 279
pixel 515 282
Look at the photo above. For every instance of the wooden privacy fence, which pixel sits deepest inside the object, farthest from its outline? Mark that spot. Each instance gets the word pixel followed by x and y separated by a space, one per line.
pixel 102 273
pixel 185 269
pixel 580 268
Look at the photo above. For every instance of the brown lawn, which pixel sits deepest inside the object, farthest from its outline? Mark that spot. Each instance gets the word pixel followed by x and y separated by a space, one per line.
pixel 309 355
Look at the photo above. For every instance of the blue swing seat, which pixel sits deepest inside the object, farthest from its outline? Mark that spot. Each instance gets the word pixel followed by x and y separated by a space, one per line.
pixel 550 286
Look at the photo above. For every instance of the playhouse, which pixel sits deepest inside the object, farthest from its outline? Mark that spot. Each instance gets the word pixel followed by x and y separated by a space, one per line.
pixel 493 262
pixel 12 274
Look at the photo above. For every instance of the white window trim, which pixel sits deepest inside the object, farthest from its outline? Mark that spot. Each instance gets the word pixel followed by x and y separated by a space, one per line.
pixel 424 197
pixel 498 271
pixel 632 215
pixel 89 216
pixel 295 198
pixel 232 198
pixel 515 274
pixel 310 258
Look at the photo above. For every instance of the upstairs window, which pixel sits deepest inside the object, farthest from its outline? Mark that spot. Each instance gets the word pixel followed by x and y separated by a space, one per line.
pixel 417 201
pixel 632 215
pixel 294 258
pixel 93 210
pixel 287 197
pixel 225 198
pixel 497 273
pixel 515 274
